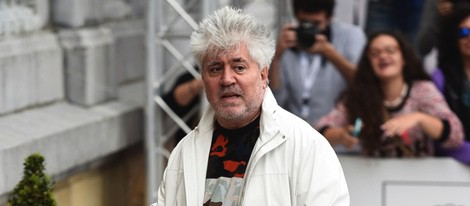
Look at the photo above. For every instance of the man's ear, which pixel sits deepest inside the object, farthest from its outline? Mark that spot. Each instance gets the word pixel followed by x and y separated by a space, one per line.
pixel 264 74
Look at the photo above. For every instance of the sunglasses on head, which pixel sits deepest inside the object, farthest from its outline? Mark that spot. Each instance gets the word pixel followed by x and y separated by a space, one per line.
pixel 464 32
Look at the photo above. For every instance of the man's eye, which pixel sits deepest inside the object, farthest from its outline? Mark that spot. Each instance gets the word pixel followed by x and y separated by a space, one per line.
pixel 215 69
pixel 239 69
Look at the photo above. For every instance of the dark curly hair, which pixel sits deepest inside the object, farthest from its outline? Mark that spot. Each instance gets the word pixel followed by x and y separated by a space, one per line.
pixel 451 64
pixel 364 97
pixel 314 6
pixel 449 57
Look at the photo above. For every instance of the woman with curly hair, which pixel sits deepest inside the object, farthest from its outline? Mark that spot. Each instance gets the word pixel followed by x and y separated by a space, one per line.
pixel 402 112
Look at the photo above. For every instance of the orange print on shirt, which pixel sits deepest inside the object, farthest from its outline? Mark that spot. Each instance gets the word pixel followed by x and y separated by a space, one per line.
pixel 232 166
pixel 219 148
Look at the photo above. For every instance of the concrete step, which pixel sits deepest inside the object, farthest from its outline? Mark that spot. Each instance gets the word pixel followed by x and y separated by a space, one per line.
pixel 67 135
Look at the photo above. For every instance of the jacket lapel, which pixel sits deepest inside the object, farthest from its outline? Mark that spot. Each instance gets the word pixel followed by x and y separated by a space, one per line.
pixel 271 135
pixel 195 155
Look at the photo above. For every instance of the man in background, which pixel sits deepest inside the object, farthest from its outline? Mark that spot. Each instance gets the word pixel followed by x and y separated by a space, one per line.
pixel 314 59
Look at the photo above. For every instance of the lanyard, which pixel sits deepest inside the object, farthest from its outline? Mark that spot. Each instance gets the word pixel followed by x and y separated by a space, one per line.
pixel 309 68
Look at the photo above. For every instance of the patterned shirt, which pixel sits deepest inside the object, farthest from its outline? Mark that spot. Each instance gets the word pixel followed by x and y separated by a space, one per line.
pixel 228 159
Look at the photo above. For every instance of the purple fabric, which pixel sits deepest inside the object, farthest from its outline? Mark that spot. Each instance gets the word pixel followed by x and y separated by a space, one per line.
pixel 438 79
pixel 462 154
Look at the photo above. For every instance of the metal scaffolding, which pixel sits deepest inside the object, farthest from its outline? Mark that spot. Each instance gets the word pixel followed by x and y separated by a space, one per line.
pixel 168 23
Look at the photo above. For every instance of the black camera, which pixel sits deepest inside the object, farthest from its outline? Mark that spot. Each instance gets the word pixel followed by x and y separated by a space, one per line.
pixel 306 34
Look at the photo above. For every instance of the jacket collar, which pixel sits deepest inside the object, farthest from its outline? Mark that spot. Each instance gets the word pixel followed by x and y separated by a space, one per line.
pixel 269 122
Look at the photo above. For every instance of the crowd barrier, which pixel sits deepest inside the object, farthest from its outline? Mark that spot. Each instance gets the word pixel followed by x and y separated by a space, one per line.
pixel 402 182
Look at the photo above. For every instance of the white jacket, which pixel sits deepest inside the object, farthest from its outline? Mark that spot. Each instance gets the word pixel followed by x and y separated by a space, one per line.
pixel 291 164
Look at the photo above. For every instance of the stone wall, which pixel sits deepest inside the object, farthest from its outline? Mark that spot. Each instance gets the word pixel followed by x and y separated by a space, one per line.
pixel 71 83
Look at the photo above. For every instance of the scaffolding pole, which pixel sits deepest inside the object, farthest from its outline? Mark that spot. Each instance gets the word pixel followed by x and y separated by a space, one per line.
pixel 151 143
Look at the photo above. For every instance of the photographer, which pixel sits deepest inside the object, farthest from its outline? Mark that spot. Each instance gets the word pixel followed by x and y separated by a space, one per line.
pixel 307 74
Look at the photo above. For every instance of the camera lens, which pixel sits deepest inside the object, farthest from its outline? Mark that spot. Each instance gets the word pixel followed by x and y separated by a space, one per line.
pixel 306 34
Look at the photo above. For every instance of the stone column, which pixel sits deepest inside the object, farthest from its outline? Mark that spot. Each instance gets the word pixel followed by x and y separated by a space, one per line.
pixel 89 65
pixel 31 71
pixel 129 49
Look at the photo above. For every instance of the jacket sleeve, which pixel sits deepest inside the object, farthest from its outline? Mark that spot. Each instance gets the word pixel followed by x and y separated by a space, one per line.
pixel 161 193
pixel 168 193
pixel 433 103
pixel 337 117
pixel 321 179
pixel 428 30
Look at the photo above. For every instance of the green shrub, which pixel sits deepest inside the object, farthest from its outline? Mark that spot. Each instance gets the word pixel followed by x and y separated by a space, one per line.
pixel 35 189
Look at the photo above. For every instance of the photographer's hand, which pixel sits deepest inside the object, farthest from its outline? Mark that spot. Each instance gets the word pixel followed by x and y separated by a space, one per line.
pixel 340 135
pixel 287 39
pixel 324 47
pixel 321 46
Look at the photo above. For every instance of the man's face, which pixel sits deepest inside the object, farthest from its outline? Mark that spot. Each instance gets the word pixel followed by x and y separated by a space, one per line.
pixel 234 86
pixel 320 18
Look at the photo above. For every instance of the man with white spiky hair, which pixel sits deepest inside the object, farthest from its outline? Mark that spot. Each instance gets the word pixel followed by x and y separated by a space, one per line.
pixel 246 150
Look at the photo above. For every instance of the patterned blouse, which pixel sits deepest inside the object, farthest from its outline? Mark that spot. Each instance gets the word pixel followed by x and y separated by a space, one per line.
pixel 423 97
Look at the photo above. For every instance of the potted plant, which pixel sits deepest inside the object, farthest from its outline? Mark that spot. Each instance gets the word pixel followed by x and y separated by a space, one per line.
pixel 35 188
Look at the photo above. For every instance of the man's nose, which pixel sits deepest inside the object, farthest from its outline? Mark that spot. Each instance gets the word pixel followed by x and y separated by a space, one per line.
pixel 228 76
